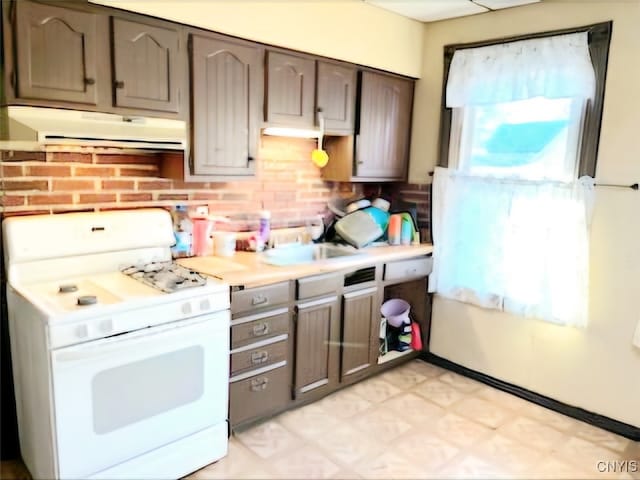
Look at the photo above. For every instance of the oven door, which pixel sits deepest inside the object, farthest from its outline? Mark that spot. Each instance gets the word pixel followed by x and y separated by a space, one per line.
pixel 120 397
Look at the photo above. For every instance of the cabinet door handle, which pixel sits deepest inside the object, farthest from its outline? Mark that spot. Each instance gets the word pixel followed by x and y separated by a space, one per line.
pixel 89 81
pixel 262 329
pixel 259 299
pixel 118 84
pixel 259 384
pixel 259 357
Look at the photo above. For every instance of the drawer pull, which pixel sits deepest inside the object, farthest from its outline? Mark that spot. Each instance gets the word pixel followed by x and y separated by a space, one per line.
pixel 259 384
pixel 261 329
pixel 259 299
pixel 259 357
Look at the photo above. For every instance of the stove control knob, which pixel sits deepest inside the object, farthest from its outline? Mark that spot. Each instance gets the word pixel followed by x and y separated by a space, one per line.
pixel 82 331
pixel 205 305
pixel 186 308
pixel 106 326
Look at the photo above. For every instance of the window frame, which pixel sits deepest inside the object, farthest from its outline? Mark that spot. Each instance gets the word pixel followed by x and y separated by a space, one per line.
pixel 599 42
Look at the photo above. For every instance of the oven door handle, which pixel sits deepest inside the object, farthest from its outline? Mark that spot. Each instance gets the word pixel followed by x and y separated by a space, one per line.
pixel 112 345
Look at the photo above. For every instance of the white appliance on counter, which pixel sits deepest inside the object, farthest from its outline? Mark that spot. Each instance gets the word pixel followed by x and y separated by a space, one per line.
pixel 114 377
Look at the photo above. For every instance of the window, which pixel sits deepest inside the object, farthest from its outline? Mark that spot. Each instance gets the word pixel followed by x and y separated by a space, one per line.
pixel 510 217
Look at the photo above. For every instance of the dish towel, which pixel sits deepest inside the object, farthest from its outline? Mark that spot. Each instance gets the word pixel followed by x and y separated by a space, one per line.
pixel 636 336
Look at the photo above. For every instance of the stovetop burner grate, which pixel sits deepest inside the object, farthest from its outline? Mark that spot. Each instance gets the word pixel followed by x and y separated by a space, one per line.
pixel 166 276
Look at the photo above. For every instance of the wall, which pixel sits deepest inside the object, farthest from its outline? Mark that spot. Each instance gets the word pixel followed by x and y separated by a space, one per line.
pixel 348 30
pixel 596 368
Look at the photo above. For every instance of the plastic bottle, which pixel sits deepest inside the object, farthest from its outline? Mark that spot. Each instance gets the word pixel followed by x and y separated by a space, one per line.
pixel 183 230
pixel 265 226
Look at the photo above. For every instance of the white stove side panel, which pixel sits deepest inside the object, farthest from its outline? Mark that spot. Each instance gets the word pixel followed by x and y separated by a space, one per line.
pixel 30 361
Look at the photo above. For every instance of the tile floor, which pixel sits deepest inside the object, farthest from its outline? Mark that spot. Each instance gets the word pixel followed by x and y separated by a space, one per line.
pixel 417 422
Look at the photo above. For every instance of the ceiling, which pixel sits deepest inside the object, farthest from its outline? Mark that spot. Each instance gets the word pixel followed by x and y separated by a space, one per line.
pixel 432 10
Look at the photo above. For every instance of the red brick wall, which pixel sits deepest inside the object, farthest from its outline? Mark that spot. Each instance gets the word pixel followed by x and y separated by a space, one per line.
pixel 93 179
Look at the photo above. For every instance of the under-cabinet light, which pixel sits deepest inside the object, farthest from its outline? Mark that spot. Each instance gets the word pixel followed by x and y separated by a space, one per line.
pixel 291 132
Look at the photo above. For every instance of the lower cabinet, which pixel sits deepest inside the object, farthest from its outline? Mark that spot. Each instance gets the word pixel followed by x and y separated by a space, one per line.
pixel 359 331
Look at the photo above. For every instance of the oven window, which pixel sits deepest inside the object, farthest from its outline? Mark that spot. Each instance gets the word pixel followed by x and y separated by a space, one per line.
pixel 130 393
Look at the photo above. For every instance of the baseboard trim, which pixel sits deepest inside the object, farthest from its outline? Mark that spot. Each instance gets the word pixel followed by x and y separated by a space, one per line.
pixel 614 426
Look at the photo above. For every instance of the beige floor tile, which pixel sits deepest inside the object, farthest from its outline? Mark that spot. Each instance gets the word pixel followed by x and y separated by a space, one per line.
pixel 585 454
pixel 601 437
pixel 439 392
pixel 479 410
pixel 268 439
pixel 505 399
pixel 463 384
pixel 460 430
pixel 344 404
pixel 382 423
pixel 239 463
pixel 533 433
pixel 403 377
pixel 549 417
pixel 472 466
pixel 346 475
pixel 414 407
pixel 347 444
pixel 508 454
pixel 429 451
pixel 553 468
pixel 309 421
pixel 375 390
pixel 393 464
pixel 304 462
pixel 426 369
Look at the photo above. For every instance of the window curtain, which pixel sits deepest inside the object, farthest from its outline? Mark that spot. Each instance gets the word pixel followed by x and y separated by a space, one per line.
pixel 552 67
pixel 512 245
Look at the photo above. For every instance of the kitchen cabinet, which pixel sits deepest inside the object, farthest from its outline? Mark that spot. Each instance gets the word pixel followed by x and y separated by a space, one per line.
pixel 145 66
pixel 290 95
pixel 56 54
pixel 261 352
pixel 317 335
pixel 360 322
pixel 87 59
pixel 226 97
pixel 379 151
pixel 336 97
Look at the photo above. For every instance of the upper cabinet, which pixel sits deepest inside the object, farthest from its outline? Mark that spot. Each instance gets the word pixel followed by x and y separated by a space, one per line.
pixel 226 99
pixel 290 95
pixel 382 144
pixel 56 52
pixel 70 58
pixel 145 66
pixel 336 95
pixel 379 151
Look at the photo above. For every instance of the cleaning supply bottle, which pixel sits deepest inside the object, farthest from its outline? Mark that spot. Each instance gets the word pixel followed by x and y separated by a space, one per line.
pixel 265 226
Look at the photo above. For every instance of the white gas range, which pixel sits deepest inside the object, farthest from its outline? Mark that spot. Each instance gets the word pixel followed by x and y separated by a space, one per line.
pixel 114 377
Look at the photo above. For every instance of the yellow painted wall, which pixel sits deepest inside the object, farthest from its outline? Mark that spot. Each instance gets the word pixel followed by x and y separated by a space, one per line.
pixel 597 368
pixel 348 30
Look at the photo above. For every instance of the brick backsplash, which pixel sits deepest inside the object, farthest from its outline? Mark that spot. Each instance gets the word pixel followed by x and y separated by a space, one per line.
pixel 95 178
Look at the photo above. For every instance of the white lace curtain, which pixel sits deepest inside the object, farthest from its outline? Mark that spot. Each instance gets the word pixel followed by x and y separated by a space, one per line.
pixel 521 247
pixel 552 67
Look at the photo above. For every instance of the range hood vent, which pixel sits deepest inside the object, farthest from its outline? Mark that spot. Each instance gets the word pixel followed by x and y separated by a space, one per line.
pixel 33 127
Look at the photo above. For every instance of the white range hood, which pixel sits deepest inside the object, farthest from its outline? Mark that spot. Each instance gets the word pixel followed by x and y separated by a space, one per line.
pixel 31 128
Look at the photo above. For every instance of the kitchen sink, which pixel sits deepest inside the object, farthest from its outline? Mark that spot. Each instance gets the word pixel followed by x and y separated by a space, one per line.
pixel 301 254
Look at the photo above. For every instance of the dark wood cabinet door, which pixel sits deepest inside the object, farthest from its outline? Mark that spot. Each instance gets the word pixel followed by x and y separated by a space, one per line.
pixel 226 95
pixel 56 53
pixel 145 66
pixel 360 320
pixel 316 351
pixel 382 145
pixel 290 90
pixel 336 90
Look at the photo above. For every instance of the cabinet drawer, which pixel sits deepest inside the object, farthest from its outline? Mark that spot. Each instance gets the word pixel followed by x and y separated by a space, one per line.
pixel 317 285
pixel 259 355
pixel 259 327
pixel 257 298
pixel 260 394
pixel 414 267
